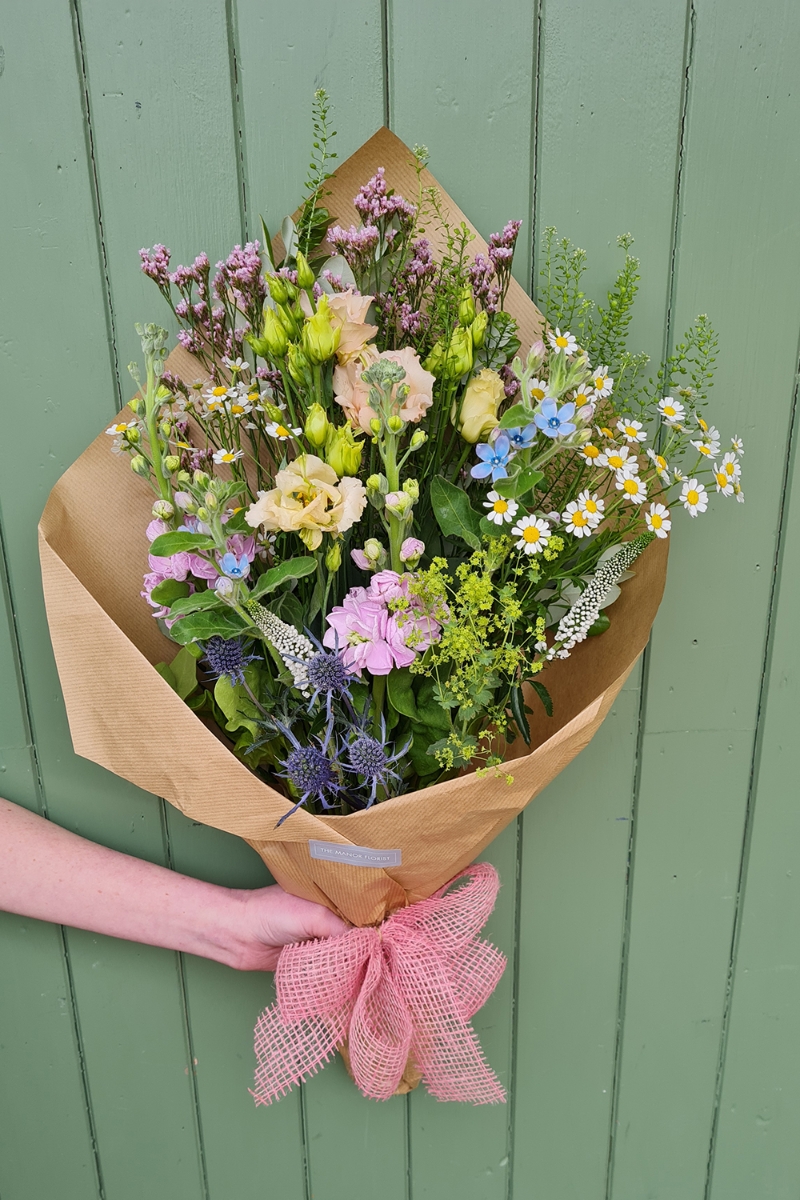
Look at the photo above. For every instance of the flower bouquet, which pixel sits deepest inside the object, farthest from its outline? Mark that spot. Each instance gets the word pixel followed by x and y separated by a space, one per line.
pixel 407 538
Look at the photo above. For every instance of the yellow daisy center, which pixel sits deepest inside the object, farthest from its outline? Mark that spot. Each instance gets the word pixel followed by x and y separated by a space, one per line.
pixel 561 342
pixel 252 397
pixel 631 430
pixel 531 534
pixel 692 496
pixel 668 410
pixel 656 520
pixel 500 506
pixel 581 398
pixel 590 506
pixel 606 432
pixel 616 461
pixel 580 519
pixel 631 486
pixel 722 479
pixel 237 409
pixel 730 469
pixel 702 424
pixel 218 391
pixel 281 431
pixel 600 382
pixel 120 428
pixel 537 393
pixel 661 463
pixel 591 451
pixel 228 456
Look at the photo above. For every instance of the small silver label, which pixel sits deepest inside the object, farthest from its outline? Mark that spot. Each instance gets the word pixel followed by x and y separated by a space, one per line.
pixel 354 856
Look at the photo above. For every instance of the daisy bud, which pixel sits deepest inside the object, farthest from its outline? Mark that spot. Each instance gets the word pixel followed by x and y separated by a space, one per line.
pixel 305 276
pixel 140 466
pixel 171 463
pixel 163 510
pixel 333 559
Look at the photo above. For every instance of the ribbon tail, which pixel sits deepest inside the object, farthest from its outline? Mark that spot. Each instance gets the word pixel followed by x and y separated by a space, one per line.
pixel 287 1055
pixel 380 1031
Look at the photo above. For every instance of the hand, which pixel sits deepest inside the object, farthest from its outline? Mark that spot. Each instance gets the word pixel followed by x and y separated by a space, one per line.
pixel 272 919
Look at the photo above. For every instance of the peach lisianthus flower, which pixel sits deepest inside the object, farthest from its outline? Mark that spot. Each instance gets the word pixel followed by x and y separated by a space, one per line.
pixel 309 499
pixel 353 394
pixel 348 313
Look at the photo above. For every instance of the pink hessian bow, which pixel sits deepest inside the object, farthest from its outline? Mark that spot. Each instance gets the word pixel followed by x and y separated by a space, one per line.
pixel 409 987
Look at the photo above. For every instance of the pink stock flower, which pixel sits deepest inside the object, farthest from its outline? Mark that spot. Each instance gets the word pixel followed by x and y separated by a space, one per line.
pixel 380 627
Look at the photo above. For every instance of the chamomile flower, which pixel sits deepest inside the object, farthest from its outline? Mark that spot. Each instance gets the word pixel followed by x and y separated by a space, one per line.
pixel 657 520
pixel 618 458
pixel 660 464
pixel 282 432
pixel 120 429
pixel 592 505
pixel 631 486
pixel 703 424
pixel 238 409
pixel 215 394
pixel 724 482
pixel 602 382
pixel 576 520
pixel 590 454
pixel 565 342
pixel 605 432
pixel 236 364
pixel 533 534
pixel 730 465
pixel 737 487
pixel 227 456
pixel 632 431
pixel 694 497
pixel 500 510
pixel 737 445
pixel 707 449
pixel 538 389
pixel 671 410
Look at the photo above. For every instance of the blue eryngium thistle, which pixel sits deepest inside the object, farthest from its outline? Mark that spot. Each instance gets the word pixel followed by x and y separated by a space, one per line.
pixel 370 758
pixel 309 769
pixel 227 657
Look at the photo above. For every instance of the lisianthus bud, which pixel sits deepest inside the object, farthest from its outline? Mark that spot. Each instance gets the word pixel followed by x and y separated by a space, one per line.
pixel 342 451
pixel 273 336
pixel 478 329
pixel 298 364
pixel 333 558
pixel 375 425
pixel 411 551
pixel 411 488
pixel 375 552
pixel 320 339
pixel 399 504
pixel 418 439
pixel 163 510
pixel 277 289
pixel 305 276
pixel 478 416
pixel 316 427
pixel 459 355
pixel 466 309
pixel 171 463
pixel 286 319
pixel 274 413
pixel 140 466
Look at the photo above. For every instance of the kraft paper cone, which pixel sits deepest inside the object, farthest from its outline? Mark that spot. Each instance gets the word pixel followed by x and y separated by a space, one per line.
pixel 125 717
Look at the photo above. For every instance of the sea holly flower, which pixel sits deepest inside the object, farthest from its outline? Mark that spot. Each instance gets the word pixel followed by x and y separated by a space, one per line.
pixel 372 760
pixel 310 770
pixel 554 421
pixel 494 459
pixel 227 456
pixel 671 410
pixel 657 520
pixel 576 520
pixel 694 497
pixel 522 439
pixel 631 486
pixel 565 342
pixel 226 656
pixel 235 568
pixel 501 511
pixel 632 431
pixel 602 382
pixel 592 506
pixel 532 533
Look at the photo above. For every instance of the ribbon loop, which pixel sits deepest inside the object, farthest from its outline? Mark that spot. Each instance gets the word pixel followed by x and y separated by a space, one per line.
pixel 408 989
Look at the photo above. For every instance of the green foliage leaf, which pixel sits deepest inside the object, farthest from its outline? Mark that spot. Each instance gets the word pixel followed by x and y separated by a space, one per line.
pixel 518 485
pixel 200 601
pixel 544 695
pixel 167 544
pixel 200 626
pixel 168 591
pixel 184 670
pixel 289 609
pixel 424 764
pixel 518 711
pixel 518 414
pixel 275 577
pixel 489 529
pixel 429 711
pixel 454 513
pixel 401 694
pixel 600 625
pixel 165 671
pixel 268 243
pixel 232 698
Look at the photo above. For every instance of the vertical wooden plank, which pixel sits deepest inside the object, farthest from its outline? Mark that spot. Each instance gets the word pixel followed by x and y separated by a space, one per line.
pixel 736 262
pixel 609 103
pixel 129 1004
pixel 757 1150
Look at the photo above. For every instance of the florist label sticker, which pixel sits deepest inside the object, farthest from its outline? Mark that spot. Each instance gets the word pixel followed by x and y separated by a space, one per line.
pixel 354 856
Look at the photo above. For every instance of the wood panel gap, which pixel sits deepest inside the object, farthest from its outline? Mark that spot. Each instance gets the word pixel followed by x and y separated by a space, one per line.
pixel 752 783
pixel 512 1075
pixel 232 31
pixel 386 46
pixel 535 140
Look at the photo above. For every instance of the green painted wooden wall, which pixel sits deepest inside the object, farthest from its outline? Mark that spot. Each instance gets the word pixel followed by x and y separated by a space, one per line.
pixel 648 1026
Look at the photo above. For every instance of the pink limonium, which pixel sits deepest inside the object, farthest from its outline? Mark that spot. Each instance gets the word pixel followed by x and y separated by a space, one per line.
pixel 380 627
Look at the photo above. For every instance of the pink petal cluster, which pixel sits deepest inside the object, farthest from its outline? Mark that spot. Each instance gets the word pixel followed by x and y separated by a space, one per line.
pixel 180 566
pixel 374 625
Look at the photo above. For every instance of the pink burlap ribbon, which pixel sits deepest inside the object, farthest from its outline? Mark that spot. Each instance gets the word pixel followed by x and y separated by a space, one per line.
pixel 408 988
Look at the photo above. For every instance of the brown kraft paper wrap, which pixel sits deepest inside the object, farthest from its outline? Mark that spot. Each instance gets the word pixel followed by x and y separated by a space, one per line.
pixel 125 717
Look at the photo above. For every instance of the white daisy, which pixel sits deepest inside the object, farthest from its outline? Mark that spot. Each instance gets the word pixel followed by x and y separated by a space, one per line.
pixel 671 410
pixel 582 397
pixel 631 486
pixel 533 534
pixel 730 465
pixel 590 454
pixel 605 432
pixel 632 431
pixel 215 393
pixel 592 505
pixel 723 481
pixel 657 520
pixel 677 474
pixel 737 487
pixel 500 509
pixel 576 520
pixel 708 449
pixel 227 456
pixel 618 458
pixel 694 497
pixel 602 382
pixel 537 389
pixel 120 428
pixel 737 445
pixel 282 432
pixel 238 409
pixel 660 464
pixel 565 342
pixel 236 364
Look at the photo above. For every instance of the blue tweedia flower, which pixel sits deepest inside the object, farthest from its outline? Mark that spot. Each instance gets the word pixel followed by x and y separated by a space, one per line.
pixel 495 458
pixel 310 770
pixel 233 567
pixel 522 439
pixel 227 657
pixel 554 421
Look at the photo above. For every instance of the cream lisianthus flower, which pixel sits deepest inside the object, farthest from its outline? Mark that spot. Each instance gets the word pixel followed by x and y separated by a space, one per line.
pixel 309 499
pixel 484 395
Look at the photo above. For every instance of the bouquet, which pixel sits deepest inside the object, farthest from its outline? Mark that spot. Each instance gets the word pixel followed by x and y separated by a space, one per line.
pixel 392 514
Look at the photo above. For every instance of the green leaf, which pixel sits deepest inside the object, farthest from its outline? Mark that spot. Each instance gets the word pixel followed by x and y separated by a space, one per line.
pixel 518 414
pixel 268 243
pixel 600 625
pixel 518 710
pixel 168 591
pixel 527 479
pixel 401 694
pixel 317 597
pixel 289 609
pixel 424 764
pixel 200 601
pixel 454 513
pixel 275 577
pixel 168 544
pixel 489 529
pixel 165 671
pixel 200 626
pixel 239 710
pixel 544 695
pixel 184 669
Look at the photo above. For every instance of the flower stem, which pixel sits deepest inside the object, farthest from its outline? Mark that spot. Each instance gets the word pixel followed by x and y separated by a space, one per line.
pixel 378 694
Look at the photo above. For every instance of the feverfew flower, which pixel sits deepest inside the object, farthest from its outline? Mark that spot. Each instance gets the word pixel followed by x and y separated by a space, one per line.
pixel 710 449
pixel 120 428
pixel 592 505
pixel 282 432
pixel 632 431
pixel 500 509
pixel 576 520
pixel 618 459
pixel 631 486
pixel 538 389
pixel 671 410
pixel 694 497
pixel 603 383
pixel 730 465
pixel 737 445
pixel 564 342
pixel 660 464
pixel 657 520
pixel 590 454
pixel 227 456
pixel 723 481
pixel 533 534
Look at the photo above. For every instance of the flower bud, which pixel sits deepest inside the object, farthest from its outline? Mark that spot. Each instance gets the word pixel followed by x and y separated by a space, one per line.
pixel 411 488
pixel 316 427
pixel 277 289
pixel 223 586
pixel 459 354
pixel 183 499
pixel 375 425
pixel 299 367
pixel 274 413
pixel 171 463
pixel 418 439
pixel 478 330
pixel 342 451
pixel 398 504
pixel 211 501
pixel 319 337
pixel 184 477
pixel 466 309
pixel 536 356
pixel 274 338
pixel 140 466
pixel 136 405
pixel 333 558
pixel 377 487
pixel 478 417
pixel 201 479
pixel 305 276
pixel 361 560
pixel 396 424
pixel 375 552
pixel 286 320
pixel 203 514
pixel 165 428
pixel 411 551
pixel 163 510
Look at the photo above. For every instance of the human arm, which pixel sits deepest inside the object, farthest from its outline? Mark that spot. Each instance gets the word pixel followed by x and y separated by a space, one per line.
pixel 51 874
